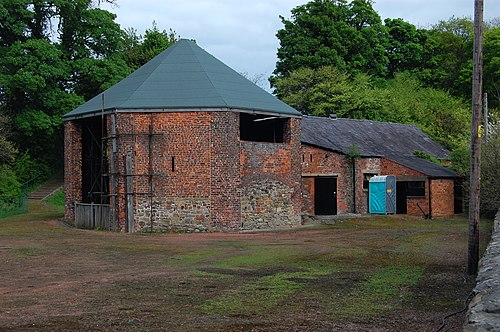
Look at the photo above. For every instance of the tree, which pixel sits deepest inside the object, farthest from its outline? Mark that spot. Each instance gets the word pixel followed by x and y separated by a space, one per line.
pixel 346 35
pixel 403 99
pixel 327 90
pixel 405 46
pixel 31 75
pixel 492 65
pixel 7 148
pixel 140 50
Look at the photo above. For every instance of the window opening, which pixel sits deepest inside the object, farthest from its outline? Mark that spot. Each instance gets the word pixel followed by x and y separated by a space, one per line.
pixel 416 188
pixel 366 179
pixel 262 128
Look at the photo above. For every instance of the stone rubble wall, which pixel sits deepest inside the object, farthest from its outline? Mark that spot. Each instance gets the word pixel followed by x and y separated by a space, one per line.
pixel 484 309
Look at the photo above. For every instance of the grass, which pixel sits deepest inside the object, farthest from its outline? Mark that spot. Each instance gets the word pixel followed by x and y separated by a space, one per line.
pixel 385 290
pixel 360 271
pixel 56 201
pixel 264 294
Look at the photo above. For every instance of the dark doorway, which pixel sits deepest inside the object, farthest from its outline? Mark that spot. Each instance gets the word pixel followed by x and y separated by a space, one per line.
pixel 325 196
pixel 401 197
pixel 94 185
pixel 458 196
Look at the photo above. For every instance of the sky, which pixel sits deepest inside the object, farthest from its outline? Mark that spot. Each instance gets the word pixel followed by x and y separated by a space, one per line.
pixel 242 34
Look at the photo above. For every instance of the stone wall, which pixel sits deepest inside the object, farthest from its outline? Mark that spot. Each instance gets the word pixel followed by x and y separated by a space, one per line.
pixel 484 309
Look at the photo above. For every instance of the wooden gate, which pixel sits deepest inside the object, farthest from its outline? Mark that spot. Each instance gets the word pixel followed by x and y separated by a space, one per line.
pixel 92 216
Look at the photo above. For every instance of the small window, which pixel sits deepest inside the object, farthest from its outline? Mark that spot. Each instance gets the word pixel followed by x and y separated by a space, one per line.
pixel 366 179
pixel 416 188
pixel 262 128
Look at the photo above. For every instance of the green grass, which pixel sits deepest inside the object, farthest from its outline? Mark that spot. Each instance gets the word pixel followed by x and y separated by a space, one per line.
pixel 257 256
pixel 264 294
pixel 385 290
pixel 191 258
pixel 56 201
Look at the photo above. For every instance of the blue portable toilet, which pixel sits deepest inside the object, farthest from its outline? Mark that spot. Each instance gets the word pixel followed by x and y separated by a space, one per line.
pixel 382 191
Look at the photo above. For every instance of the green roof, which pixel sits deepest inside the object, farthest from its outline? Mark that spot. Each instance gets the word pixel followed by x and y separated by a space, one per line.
pixel 184 76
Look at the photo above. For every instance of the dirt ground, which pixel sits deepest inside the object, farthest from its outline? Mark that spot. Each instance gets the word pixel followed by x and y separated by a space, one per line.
pixel 367 274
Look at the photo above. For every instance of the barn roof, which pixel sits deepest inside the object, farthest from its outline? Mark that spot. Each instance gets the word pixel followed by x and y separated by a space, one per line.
pixel 393 141
pixel 182 77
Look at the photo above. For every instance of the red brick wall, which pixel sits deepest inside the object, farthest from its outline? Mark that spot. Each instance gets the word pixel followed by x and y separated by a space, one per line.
pixel 202 172
pixel 270 181
pixel 364 165
pixel 442 197
pixel 317 162
pixel 72 169
pixel 325 162
pixel 225 170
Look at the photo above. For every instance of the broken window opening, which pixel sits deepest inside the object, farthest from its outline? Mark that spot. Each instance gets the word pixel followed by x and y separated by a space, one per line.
pixel 366 179
pixel 416 188
pixel 262 128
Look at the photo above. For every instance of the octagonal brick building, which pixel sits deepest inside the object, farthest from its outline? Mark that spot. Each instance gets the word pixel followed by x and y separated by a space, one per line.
pixel 183 143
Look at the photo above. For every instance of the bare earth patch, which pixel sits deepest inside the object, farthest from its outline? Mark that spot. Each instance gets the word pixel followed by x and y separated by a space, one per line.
pixel 369 274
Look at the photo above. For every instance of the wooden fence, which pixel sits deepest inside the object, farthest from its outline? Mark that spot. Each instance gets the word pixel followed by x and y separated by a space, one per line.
pixel 92 216
pixel 10 205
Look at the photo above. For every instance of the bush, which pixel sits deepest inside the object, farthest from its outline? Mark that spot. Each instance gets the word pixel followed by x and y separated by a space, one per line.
pixel 27 169
pixel 9 184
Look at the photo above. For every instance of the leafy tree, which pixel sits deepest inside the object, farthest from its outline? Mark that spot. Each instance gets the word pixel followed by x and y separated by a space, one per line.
pixel 492 65
pixel 346 35
pixel 448 57
pixel 7 148
pixel 9 185
pixel 31 73
pixel 405 46
pixel 403 99
pixel 140 50
pixel 490 175
pixel 327 90
pixel 15 18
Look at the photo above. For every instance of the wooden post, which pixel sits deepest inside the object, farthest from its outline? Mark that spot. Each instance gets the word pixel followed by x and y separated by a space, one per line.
pixel 112 175
pixel 475 162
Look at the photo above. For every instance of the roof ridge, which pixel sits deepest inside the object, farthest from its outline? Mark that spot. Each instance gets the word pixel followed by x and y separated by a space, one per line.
pixel 363 120
pixel 204 71
pixel 169 49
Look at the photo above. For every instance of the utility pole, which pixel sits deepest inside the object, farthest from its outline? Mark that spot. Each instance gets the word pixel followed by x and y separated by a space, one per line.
pixel 475 142
pixel 486 118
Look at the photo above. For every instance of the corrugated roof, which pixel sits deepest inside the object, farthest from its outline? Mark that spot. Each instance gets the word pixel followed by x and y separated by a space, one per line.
pixel 184 76
pixel 393 141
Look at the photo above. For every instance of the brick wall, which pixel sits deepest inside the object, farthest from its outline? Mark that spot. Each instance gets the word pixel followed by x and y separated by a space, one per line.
pixel 203 177
pixel 270 181
pixel 72 169
pixel 443 203
pixel 363 166
pixel 225 170
pixel 321 162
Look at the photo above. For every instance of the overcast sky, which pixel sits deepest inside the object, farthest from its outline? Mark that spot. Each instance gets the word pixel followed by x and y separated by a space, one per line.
pixel 242 33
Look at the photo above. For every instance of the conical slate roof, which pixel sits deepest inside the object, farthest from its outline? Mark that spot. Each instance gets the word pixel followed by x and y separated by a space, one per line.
pixel 184 76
